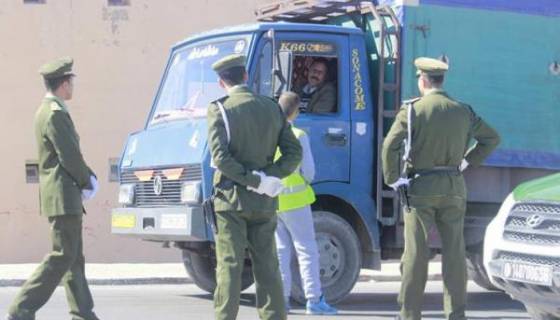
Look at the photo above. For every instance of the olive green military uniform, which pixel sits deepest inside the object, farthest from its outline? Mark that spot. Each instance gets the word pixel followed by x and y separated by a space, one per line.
pixel 246 219
pixel 441 131
pixel 62 176
pixel 323 100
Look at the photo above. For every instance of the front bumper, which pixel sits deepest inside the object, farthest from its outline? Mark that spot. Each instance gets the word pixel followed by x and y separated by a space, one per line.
pixel 185 223
pixel 544 297
pixel 501 252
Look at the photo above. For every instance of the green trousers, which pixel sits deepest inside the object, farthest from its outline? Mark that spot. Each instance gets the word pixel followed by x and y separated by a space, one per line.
pixel 447 214
pixel 254 231
pixel 64 264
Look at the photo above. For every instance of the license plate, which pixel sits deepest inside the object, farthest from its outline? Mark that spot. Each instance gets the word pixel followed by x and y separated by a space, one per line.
pixel 526 272
pixel 173 221
pixel 124 221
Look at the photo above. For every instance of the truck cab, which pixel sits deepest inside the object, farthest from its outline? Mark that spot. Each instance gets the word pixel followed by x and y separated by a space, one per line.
pixel 165 170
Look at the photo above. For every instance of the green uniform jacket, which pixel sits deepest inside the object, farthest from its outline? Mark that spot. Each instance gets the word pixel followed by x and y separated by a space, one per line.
pixel 63 172
pixel 257 128
pixel 323 100
pixel 441 133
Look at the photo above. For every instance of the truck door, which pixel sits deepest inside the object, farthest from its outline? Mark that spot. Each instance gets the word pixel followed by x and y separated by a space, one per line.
pixel 317 74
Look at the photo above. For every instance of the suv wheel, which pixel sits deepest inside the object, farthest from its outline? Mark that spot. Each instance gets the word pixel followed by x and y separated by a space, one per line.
pixel 476 270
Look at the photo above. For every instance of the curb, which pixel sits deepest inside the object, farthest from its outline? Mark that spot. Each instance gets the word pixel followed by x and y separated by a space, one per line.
pixel 110 282
pixel 186 280
pixel 162 274
pixel 393 278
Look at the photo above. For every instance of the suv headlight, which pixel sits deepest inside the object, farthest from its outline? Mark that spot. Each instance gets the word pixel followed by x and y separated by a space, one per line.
pixel 190 192
pixel 126 194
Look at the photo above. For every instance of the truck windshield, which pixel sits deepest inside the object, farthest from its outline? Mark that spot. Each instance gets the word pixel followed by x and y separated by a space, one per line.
pixel 190 83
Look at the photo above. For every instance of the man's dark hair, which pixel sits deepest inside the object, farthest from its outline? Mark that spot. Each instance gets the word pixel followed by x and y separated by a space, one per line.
pixel 322 60
pixel 55 83
pixel 436 80
pixel 233 76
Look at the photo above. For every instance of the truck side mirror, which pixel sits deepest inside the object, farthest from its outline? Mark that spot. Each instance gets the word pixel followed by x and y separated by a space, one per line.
pixel 283 73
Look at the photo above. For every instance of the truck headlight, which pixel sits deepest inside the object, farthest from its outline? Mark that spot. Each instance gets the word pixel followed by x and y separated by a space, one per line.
pixel 190 192
pixel 126 194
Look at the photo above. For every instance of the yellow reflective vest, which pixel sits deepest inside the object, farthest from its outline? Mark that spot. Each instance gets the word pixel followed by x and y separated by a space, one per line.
pixel 297 192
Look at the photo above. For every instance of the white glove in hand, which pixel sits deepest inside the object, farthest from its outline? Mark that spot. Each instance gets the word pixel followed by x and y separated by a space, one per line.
pixel 258 189
pixel 464 164
pixel 87 194
pixel 271 186
pixel 400 182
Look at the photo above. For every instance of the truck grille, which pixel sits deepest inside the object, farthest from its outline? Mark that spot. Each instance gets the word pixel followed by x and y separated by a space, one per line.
pixel 534 223
pixel 144 194
pixel 527 258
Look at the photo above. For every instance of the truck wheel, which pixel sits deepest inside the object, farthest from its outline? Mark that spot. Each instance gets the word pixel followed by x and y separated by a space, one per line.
pixel 537 314
pixel 202 270
pixel 340 258
pixel 476 270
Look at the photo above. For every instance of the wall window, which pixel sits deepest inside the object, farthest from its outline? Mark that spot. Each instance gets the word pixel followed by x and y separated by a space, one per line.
pixel 114 169
pixel 31 171
pixel 118 2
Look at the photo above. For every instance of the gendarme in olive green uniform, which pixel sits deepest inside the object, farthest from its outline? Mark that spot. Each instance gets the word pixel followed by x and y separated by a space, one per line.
pixel 62 176
pixel 441 131
pixel 246 219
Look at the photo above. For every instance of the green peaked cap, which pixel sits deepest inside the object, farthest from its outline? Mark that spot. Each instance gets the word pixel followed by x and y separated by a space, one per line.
pixel 430 66
pixel 57 68
pixel 234 60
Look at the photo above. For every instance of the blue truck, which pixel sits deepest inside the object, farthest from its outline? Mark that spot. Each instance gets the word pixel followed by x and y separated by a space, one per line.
pixel 503 59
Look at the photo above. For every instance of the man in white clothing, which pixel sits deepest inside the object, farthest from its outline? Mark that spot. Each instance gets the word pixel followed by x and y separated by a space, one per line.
pixel 295 221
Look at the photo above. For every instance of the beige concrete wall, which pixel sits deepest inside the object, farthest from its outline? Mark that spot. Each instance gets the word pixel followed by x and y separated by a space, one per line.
pixel 119 55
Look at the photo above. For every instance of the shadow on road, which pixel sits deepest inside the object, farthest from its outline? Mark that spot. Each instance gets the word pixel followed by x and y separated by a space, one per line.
pixel 247 299
pixel 384 305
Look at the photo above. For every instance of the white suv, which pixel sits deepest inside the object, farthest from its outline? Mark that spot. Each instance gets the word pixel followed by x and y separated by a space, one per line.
pixel 522 247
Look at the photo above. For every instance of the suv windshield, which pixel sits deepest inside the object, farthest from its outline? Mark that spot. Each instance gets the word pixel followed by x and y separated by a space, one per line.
pixel 191 84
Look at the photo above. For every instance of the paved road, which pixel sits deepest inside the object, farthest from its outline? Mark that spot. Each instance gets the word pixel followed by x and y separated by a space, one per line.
pixel 369 300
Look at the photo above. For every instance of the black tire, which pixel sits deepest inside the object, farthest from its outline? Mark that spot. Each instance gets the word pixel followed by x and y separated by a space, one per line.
pixel 341 258
pixel 476 270
pixel 202 270
pixel 537 314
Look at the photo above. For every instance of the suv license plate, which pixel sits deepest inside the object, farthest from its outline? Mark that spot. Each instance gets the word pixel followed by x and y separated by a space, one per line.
pixel 526 272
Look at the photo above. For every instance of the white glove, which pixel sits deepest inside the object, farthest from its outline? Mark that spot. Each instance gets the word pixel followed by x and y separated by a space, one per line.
pixel 400 182
pixel 271 186
pixel 464 164
pixel 87 194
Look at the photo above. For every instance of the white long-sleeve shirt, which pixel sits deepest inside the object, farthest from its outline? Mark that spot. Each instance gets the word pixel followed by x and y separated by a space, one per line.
pixel 307 168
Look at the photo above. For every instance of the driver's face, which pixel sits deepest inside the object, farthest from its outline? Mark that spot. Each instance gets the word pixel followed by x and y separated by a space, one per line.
pixel 317 74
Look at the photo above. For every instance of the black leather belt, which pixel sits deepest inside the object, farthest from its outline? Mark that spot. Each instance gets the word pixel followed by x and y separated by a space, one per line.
pixel 435 170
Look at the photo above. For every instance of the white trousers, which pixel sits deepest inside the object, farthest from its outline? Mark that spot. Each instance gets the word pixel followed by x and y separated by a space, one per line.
pixel 295 231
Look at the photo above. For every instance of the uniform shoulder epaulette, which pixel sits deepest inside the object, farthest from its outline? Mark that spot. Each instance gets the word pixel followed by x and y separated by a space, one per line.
pixel 55 106
pixel 221 99
pixel 411 101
